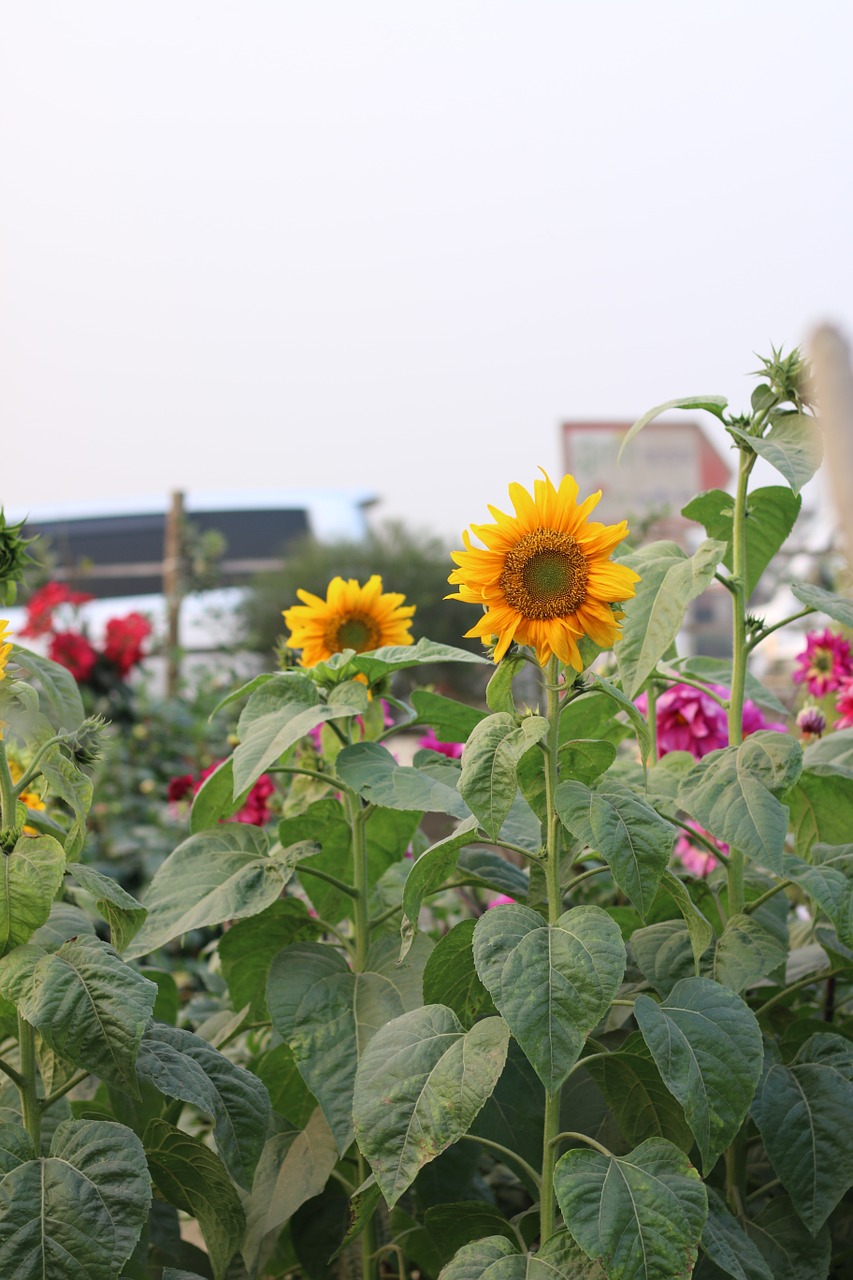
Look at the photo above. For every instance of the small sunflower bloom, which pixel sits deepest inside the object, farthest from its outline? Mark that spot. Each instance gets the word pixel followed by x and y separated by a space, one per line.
pixel 351 617
pixel 5 647
pixel 544 576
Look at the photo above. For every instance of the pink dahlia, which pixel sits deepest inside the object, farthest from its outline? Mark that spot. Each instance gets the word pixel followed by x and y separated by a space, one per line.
pixel 844 704
pixel 690 720
pixel 825 662
pixel 430 742
pixel 694 857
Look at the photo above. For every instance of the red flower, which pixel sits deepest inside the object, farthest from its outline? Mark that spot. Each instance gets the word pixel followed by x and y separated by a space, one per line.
pixel 74 652
pixel 124 639
pixel 42 604
pixel 179 788
pixel 255 811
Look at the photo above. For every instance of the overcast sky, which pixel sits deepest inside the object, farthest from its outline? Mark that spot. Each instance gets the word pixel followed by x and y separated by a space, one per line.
pixel 393 245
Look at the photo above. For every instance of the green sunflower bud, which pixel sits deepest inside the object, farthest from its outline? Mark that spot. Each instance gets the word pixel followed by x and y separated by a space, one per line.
pixel 14 559
pixel 86 743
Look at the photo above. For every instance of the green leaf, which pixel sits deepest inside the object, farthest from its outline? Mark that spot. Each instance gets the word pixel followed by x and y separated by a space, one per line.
pixel 277 715
pixel 701 931
pixel 57 686
pixel 371 771
pixel 428 873
pixel 451 720
pixel 219 875
pixel 290 1096
pixel 420 1083
pixel 16 1146
pixel 552 983
pixel 247 950
pixel 732 793
pixel 451 979
pixel 121 911
pixel 719 671
pixel 80 1210
pixel 838 607
pixel 713 404
pixel 642 1214
pixel 64 922
pixel 515 1113
pixel 473 1261
pixel 382 662
pixel 828 880
pixel 70 784
pixel 585 759
pixel 748 951
pixel 726 1243
pixel 638 721
pixel 30 880
pixel 805 1115
pixel 789 1250
pixel 215 798
pixel 793 445
pixel 771 514
pixel 193 1178
pixel 89 1006
pixel 182 1065
pixel 641 1103
pixel 633 839
pixel 708 1048
pixel 559 1258
pixel 490 765
pixel 327 1014
pixel 457 1224
pixel 821 806
pixel 488 868
pixel 653 618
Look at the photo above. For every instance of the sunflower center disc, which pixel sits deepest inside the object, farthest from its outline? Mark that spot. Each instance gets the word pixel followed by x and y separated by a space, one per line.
pixel 544 575
pixel 355 632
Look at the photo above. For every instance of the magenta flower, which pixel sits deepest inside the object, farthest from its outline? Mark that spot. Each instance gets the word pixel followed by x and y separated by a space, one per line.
pixel 844 704
pixel 689 720
pixel 825 662
pixel 502 900
pixel 811 722
pixel 429 742
pixel 695 858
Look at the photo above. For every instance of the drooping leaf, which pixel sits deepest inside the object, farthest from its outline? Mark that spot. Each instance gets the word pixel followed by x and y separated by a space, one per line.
pixel 490 765
pixel 828 879
pixel 492 870
pixel 707 1045
pixel 457 1224
pixel 71 784
pixel 429 872
pixel 641 1214
pixel 371 770
pixel 771 514
pixel 712 404
pixel 637 721
pixel 669 580
pixel 30 879
pixel 121 911
pixel 215 798
pixel 642 1105
pixel 700 929
pixel 80 1210
pixel 451 720
pixel 629 834
pixel 247 950
pixel 726 1243
pixel 552 983
pixel 821 806
pixel 327 1014
pixel 382 662
pixel 719 671
pixel 793 445
pixel 219 875
pixel 420 1083
pixel 790 1251
pixel 182 1065
pixel 193 1178
pixel 451 979
pixel 89 1006
pixel 747 951
pixel 733 794
pixel 57 686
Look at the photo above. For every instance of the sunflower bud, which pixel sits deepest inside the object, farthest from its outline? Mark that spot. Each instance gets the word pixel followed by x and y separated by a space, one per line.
pixel 85 743
pixel 14 559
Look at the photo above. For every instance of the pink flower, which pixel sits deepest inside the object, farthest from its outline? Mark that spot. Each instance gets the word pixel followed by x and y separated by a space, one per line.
pixel 695 858
pixel 825 662
pixel 844 704
pixel 429 742
pixel 255 811
pixel 502 900
pixel 73 651
pixel 690 720
pixel 811 722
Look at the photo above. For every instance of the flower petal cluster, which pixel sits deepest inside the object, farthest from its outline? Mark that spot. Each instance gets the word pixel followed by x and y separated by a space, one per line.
pixel 544 575
pixel 351 617
pixel 844 704
pixel 256 809
pixel 124 639
pixel 44 602
pixel 73 651
pixel 429 742
pixel 825 662
pixel 689 720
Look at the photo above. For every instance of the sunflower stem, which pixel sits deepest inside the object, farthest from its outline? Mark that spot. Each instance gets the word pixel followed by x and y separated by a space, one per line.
pixel 652 717
pixel 361 885
pixel 735 864
pixel 555 907
pixel 8 799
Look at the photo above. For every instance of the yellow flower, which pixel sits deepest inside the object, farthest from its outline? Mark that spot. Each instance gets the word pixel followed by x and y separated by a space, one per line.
pixel 5 649
pixel 545 577
pixel 351 617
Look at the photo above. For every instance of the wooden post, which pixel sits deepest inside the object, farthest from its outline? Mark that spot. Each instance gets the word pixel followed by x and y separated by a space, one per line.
pixel 173 590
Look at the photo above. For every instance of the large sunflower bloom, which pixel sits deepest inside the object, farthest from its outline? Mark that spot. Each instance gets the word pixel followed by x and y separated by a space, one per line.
pixel 351 617
pixel 5 648
pixel 545 577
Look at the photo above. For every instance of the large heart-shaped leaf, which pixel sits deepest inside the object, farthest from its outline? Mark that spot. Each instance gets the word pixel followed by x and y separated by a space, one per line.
pixel 828 879
pixel 31 876
pixel 371 770
pixel 420 1083
pixel 642 1214
pixel 219 875
pixel 747 951
pixel 490 765
pixel 552 983
pixel 707 1045
pixel 726 1243
pixel 80 1210
pixel 641 1103
pixel 429 872
pixel 793 445
pixel 790 1251
pixel 249 947
pixel 57 685
pixel 771 514
pixel 635 841
pixel 821 806
pixel 121 911
pixel 327 1014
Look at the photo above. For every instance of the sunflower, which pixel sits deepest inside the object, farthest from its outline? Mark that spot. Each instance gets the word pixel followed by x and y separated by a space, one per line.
pixel 351 617
pixel 5 649
pixel 545 577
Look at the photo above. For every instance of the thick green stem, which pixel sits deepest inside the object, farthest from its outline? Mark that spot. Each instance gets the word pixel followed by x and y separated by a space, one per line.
pixel 739 652
pixel 361 881
pixel 28 1088
pixel 555 906
pixel 8 800
pixel 369 1261
pixel 652 717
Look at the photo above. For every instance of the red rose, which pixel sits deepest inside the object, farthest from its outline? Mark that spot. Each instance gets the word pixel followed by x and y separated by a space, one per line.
pixel 124 639
pixel 42 604
pixel 74 652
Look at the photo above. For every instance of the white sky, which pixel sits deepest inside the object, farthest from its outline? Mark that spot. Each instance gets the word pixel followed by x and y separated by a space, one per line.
pixel 392 245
